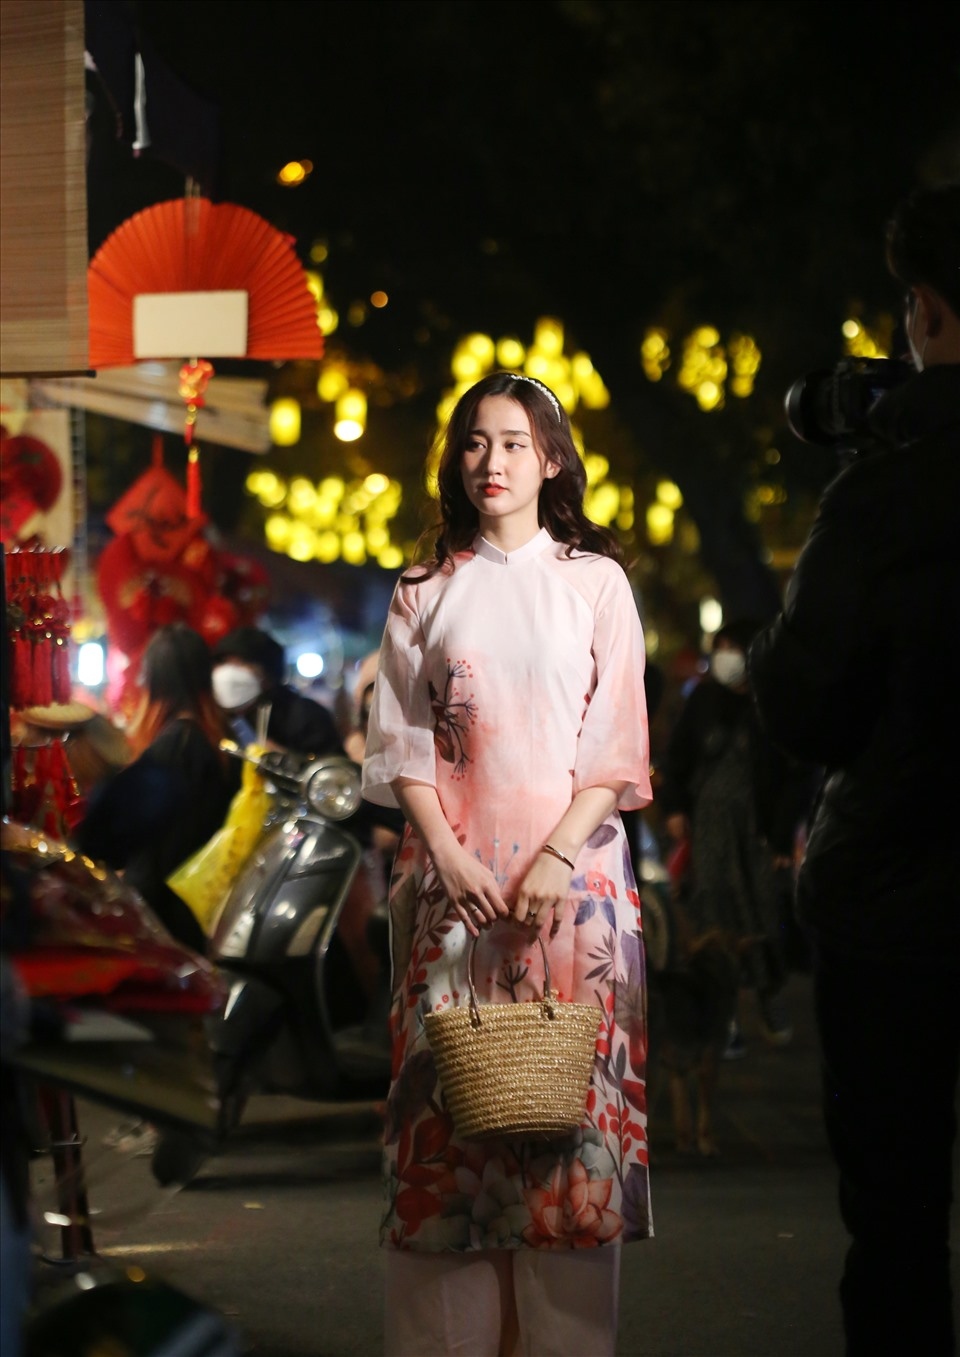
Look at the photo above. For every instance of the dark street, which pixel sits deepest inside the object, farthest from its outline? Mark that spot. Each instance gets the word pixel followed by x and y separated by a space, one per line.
pixel 280 1232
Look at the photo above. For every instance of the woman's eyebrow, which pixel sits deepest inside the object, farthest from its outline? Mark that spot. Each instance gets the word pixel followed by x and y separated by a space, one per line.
pixel 482 433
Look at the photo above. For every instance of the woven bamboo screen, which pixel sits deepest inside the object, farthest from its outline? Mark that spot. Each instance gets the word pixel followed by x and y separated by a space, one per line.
pixel 43 208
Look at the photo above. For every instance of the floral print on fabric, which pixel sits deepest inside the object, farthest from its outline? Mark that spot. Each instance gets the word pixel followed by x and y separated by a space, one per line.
pixel 587 1190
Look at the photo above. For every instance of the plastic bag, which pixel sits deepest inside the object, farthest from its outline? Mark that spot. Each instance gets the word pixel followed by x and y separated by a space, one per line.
pixel 204 880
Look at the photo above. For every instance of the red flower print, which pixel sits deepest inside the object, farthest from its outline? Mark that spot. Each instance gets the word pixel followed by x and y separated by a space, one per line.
pixel 575 1212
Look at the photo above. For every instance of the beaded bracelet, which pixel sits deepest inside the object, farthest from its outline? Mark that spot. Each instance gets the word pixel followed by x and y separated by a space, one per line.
pixel 555 853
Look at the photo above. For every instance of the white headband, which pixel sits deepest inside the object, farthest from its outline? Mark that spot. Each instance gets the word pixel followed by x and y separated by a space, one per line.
pixel 519 377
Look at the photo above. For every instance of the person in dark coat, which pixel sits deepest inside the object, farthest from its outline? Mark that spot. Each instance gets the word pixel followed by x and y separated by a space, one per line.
pixel 859 672
pixel 155 813
pixel 738 801
pixel 249 667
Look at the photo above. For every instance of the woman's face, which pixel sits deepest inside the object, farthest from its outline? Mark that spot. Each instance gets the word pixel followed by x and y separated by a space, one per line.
pixel 502 467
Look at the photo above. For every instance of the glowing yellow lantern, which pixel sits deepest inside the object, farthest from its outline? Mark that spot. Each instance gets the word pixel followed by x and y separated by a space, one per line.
pixel 466 366
pixel 669 494
pixel 391 558
pixel 277 531
pixel 510 354
pixel 482 347
pixel 285 422
pixel 332 488
pixel 327 547
pixel 302 543
pixel 709 395
pixel 351 415
pixel 301 496
pixel 548 336
pixel 331 384
pixel 659 524
pixel 354 548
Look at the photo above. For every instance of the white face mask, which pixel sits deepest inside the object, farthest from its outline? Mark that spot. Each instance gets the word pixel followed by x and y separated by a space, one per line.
pixel 728 667
pixel 235 686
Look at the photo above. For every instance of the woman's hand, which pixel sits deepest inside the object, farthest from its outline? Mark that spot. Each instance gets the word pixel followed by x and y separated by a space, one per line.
pixel 545 888
pixel 470 887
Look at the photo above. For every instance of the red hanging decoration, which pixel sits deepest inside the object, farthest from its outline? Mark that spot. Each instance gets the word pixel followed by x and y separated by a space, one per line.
pixel 38 625
pixel 194 379
pixel 194 484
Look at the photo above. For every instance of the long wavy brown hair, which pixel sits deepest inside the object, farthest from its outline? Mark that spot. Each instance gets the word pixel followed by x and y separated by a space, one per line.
pixel 560 508
pixel 176 670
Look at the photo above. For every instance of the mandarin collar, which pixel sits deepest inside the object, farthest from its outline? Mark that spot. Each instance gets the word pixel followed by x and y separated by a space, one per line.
pixel 529 549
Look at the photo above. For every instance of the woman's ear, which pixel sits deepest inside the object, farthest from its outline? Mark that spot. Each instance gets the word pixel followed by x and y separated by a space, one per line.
pixel 550 470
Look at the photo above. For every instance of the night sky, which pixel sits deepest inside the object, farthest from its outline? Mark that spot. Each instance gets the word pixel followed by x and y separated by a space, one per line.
pixel 620 165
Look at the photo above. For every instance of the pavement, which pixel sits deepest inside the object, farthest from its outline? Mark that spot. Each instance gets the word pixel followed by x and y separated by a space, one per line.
pixel 279 1233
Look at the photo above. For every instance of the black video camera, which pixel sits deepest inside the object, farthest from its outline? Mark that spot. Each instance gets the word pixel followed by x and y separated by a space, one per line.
pixel 830 407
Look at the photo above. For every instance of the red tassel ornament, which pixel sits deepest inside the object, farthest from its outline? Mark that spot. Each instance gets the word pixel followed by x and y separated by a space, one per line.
pixel 194 484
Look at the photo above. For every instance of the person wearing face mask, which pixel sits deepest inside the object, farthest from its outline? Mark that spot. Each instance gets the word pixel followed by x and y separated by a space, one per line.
pixel 737 802
pixel 248 673
pixel 859 672
pixel 248 678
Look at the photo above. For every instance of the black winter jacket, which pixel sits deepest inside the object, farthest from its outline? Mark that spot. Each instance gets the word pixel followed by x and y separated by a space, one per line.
pixel 859 673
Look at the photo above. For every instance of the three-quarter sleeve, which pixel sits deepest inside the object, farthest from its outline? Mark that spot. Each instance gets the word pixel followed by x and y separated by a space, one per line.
pixel 614 744
pixel 400 732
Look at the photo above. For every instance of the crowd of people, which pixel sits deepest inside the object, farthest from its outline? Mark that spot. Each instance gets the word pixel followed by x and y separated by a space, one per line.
pixel 503 723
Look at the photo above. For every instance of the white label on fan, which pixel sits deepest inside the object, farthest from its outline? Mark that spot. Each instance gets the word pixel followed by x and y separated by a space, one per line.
pixel 190 325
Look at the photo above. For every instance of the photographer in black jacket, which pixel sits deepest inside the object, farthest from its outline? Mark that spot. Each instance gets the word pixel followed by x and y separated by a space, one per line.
pixel 859 674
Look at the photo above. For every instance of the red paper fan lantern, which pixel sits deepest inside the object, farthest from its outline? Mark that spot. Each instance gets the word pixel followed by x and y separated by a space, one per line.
pixel 192 245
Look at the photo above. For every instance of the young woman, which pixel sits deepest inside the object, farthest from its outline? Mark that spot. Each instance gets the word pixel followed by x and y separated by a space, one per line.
pixel 175 795
pixel 508 723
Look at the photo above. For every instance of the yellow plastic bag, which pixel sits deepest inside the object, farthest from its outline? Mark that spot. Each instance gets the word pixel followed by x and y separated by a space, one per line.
pixel 205 878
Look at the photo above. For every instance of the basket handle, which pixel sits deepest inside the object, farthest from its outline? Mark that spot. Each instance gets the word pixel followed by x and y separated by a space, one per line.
pixel 547 999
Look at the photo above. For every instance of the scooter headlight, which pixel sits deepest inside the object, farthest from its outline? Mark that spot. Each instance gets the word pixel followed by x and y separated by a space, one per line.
pixel 333 790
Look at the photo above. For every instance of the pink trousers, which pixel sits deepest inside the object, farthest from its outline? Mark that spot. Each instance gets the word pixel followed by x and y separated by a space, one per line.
pixel 502 1303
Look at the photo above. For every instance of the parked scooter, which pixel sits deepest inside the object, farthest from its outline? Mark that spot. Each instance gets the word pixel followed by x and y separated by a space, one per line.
pixel 296 1021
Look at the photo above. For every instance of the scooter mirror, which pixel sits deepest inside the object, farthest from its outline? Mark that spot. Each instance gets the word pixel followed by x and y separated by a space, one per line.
pixel 333 789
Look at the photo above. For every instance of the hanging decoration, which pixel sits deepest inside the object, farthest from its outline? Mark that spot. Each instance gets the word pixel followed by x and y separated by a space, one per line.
pixel 188 278
pixel 30 483
pixel 194 377
pixel 38 626
pixel 42 787
pixel 191 280
pixel 159 568
pixel 153 513
pixel 191 245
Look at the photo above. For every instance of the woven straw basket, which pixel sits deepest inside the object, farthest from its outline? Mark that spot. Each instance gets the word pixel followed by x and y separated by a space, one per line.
pixel 518 1069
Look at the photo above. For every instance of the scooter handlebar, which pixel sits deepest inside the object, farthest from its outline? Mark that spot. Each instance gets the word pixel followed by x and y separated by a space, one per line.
pixel 328 784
